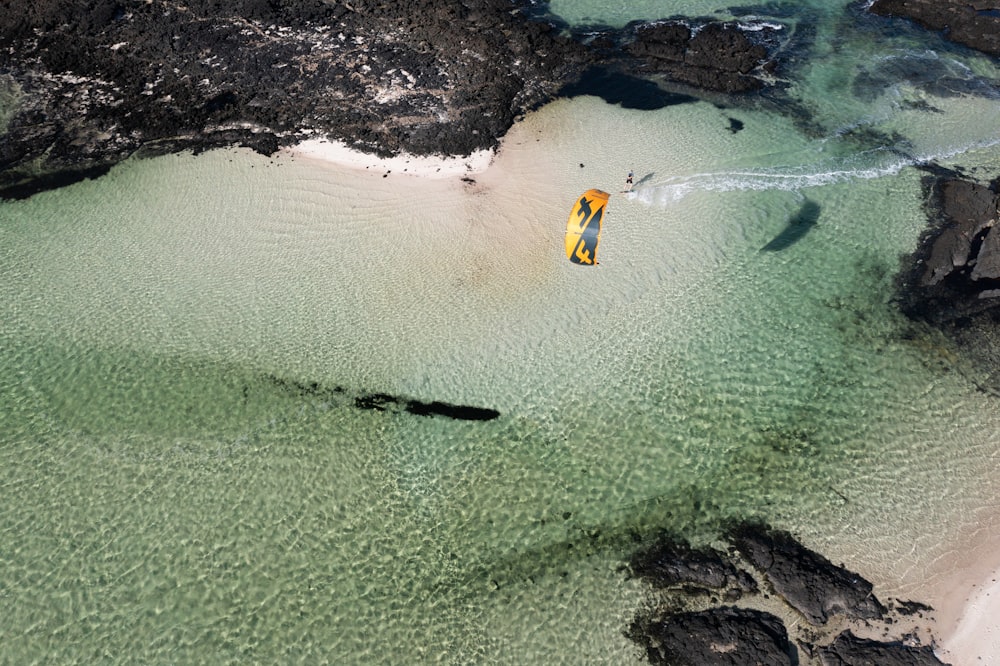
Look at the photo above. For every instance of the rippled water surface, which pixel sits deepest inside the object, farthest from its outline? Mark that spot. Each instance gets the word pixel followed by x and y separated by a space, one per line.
pixel 187 475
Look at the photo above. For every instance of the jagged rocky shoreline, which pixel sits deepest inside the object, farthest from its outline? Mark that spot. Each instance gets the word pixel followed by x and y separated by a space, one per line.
pixel 95 84
pixel 90 84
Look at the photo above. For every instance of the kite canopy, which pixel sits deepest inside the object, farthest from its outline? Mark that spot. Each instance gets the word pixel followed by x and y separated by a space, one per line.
pixel 583 230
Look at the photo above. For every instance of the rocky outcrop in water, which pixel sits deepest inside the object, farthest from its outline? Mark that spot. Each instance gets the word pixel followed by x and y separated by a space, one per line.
pixel 849 650
pixel 973 23
pixel 84 85
pixel 695 620
pixel 958 267
pixel 718 56
pixel 952 280
pixel 725 636
pixel 810 583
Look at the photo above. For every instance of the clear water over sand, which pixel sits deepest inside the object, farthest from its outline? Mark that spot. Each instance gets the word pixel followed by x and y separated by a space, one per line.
pixel 186 477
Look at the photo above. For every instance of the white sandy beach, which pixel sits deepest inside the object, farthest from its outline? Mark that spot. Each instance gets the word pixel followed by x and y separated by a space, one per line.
pixel 968 607
pixel 975 638
pixel 427 166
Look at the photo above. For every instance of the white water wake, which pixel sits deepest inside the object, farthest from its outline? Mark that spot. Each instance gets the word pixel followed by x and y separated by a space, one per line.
pixel 789 178
pixel 868 165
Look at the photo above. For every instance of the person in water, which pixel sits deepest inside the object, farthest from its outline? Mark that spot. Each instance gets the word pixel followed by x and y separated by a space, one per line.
pixel 628 182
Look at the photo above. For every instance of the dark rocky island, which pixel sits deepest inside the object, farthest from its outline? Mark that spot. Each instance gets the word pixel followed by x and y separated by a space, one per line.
pixel 90 84
pixel 738 636
pixel 956 277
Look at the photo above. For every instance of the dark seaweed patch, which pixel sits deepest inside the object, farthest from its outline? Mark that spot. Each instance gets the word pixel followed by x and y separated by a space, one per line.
pixel 462 412
pixel 384 402
pixel 934 74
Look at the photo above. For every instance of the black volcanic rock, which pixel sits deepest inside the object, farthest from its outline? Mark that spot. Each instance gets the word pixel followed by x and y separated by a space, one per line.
pixel 725 636
pixel 806 580
pixel 719 56
pixel 849 650
pixel 669 563
pixel 973 23
pixel 952 280
pixel 687 623
pixel 92 82
pixel 956 269
pixel 96 80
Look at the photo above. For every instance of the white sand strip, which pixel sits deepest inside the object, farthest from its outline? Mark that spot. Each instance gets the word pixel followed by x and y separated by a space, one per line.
pixel 975 639
pixel 426 166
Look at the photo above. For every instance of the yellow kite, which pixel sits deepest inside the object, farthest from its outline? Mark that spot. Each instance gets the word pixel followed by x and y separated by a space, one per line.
pixel 583 230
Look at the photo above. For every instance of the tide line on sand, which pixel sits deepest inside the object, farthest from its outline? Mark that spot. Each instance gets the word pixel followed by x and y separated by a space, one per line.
pixel 432 166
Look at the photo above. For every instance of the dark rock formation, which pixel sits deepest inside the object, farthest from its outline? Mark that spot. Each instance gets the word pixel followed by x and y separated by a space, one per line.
pixel 725 636
pixel 957 267
pixel 90 83
pixel 679 630
pixel 849 650
pixel 97 80
pixel 973 23
pixel 671 563
pixel 952 280
pixel 806 580
pixel 719 56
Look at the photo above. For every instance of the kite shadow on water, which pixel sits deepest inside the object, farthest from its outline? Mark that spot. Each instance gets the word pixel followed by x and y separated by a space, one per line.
pixel 804 220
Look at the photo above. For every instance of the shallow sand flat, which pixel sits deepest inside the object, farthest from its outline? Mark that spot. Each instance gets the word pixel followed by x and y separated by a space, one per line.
pixel 692 376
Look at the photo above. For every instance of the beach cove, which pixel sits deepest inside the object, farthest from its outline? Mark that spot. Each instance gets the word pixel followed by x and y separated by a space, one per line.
pixel 686 413
pixel 190 474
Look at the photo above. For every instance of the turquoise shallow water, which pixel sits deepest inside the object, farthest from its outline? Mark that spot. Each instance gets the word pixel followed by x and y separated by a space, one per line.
pixel 185 475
